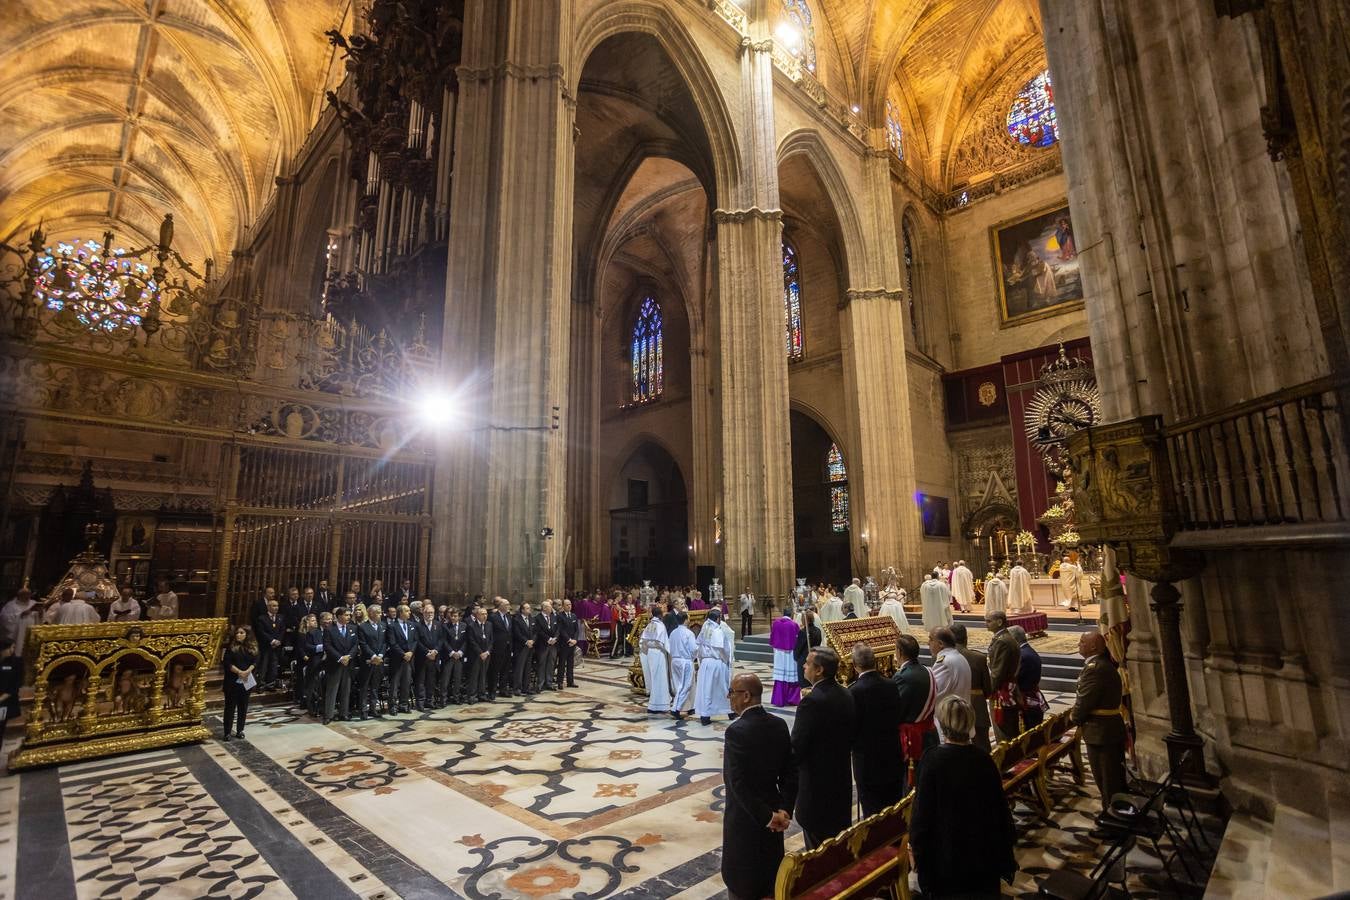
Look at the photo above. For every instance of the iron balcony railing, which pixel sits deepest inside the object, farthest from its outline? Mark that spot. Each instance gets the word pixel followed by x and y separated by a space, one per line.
pixel 1275 460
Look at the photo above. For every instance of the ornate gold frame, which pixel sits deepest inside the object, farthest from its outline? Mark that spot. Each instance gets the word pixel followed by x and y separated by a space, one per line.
pixel 1004 320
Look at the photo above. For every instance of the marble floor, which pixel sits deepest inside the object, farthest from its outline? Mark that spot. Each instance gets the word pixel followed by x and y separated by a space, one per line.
pixel 573 794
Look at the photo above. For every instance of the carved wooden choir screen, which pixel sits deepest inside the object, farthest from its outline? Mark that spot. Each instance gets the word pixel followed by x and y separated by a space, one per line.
pixel 298 516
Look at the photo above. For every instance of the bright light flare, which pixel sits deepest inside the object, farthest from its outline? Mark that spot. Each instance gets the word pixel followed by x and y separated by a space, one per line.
pixel 789 35
pixel 436 410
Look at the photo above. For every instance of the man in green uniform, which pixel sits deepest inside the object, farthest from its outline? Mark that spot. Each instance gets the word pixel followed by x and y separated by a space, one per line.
pixel 1097 714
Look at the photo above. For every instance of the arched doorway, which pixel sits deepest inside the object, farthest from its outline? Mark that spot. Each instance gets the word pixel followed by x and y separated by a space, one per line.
pixel 649 520
pixel 820 503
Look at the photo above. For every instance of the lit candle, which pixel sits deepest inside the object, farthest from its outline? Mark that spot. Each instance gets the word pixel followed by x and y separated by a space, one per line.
pixel 1005 543
pixel 991 546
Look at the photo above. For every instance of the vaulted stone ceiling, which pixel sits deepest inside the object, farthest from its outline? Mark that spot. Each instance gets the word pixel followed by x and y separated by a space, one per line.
pixel 938 56
pixel 113 112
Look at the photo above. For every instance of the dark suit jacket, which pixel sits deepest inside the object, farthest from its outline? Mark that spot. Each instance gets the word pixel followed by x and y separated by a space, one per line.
pixel 373 639
pixel 456 639
pixel 337 645
pixel 760 774
pixel 671 620
pixel 1004 658
pixel 960 793
pixel 430 637
pixel 266 630
pixel 292 614
pixel 876 737
pixel 545 627
pixel 397 643
pixel 501 629
pixel 1099 688
pixel 402 597
pixel 980 683
pixel 309 646
pixel 1028 670
pixel 820 742
pixel 323 598
pixel 522 630
pixel 480 639
pixel 569 629
pixel 257 609
pixel 912 684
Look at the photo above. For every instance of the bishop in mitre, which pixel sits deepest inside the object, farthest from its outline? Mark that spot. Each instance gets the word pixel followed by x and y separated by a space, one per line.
pixel 714 669
pixel 936 598
pixel 654 647
pixel 963 587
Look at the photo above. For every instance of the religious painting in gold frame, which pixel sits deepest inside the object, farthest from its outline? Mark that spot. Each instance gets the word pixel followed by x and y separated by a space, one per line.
pixel 1036 266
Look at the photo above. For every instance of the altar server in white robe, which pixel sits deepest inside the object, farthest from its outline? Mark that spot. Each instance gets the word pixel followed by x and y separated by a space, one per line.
pixel 1019 590
pixel 1070 584
pixel 654 646
pixel 995 594
pixel 852 594
pixel 682 649
pixel 731 645
pixel 936 598
pixel 714 670
pixel 963 587
pixel 893 605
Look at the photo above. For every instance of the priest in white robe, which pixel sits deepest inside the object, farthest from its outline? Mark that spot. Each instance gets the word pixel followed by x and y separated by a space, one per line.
pixel 714 670
pixel 1019 590
pixel 832 609
pixel 654 647
pixel 1071 582
pixel 852 594
pixel 963 587
pixel 682 649
pixel 995 594
pixel 936 598
pixel 893 605
pixel 731 644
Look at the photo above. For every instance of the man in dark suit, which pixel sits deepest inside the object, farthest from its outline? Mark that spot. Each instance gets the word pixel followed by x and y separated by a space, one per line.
pixel 671 618
pixel 1004 661
pixel 499 674
pixel 270 633
pixel 569 632
pixel 293 612
pixel 480 653
pixel 402 646
pixel 1096 711
pixel 452 662
pixel 546 646
pixel 760 774
pixel 522 650
pixel 915 687
pixel 876 741
pixel 259 608
pixel 373 639
pixel 430 641
pixel 324 597
pixel 311 661
pixel 820 742
pixel 1028 679
pixel 340 648
pixel 981 687
pixel 405 595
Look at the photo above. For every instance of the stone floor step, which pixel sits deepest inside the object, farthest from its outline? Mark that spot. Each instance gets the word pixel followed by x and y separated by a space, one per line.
pixel 1339 828
pixel 1239 871
pixel 1300 855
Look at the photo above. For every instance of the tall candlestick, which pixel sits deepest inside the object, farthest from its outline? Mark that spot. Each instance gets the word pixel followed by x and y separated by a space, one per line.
pixel 1005 543
pixel 991 546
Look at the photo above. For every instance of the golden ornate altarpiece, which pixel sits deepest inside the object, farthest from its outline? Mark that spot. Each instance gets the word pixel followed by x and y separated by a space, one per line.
pixel 115 687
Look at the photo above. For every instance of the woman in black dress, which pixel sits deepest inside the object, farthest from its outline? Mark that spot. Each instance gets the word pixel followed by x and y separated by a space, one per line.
pixel 240 658
pixel 960 793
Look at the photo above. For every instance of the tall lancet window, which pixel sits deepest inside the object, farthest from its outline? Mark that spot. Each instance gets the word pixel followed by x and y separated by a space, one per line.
pixel 907 234
pixel 836 476
pixel 792 303
pixel 647 365
pixel 895 134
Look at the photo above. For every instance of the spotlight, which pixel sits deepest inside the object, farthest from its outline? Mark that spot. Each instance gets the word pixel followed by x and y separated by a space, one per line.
pixel 435 410
pixel 856 109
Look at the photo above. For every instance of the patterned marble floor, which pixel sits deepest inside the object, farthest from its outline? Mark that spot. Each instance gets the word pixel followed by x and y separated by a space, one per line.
pixel 576 794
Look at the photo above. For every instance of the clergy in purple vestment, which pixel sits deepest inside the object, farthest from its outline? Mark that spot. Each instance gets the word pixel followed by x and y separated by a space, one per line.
pixel 783 639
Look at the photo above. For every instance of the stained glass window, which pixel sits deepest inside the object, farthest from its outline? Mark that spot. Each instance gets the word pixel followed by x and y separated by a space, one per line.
pixel 1031 119
pixel 95 285
pixel 908 238
pixel 792 303
pixel 647 367
pixel 895 135
pixel 803 33
pixel 837 477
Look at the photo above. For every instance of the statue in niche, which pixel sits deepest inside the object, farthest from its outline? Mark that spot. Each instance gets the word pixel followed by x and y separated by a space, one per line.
pixel 63 699
pixel 127 692
pixel 178 686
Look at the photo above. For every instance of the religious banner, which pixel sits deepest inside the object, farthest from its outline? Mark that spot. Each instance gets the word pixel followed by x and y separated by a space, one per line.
pixel 878 632
pixel 1036 261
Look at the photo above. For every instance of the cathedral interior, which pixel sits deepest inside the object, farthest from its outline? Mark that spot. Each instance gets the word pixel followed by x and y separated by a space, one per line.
pixel 544 298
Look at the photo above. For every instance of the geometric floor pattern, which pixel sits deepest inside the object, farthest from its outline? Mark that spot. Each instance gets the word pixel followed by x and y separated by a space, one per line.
pixel 575 794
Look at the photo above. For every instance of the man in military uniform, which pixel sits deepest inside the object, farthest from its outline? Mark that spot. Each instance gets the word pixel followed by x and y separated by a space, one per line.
pixel 981 685
pixel 918 696
pixel 1004 661
pixel 1097 713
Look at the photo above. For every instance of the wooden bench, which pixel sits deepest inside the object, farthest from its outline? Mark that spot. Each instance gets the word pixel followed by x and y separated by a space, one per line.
pixel 872 856
pixel 1027 760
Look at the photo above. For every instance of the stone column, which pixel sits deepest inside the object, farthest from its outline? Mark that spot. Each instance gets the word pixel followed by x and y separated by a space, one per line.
pixel 1166 607
pixel 506 345
pixel 874 332
pixel 756 455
